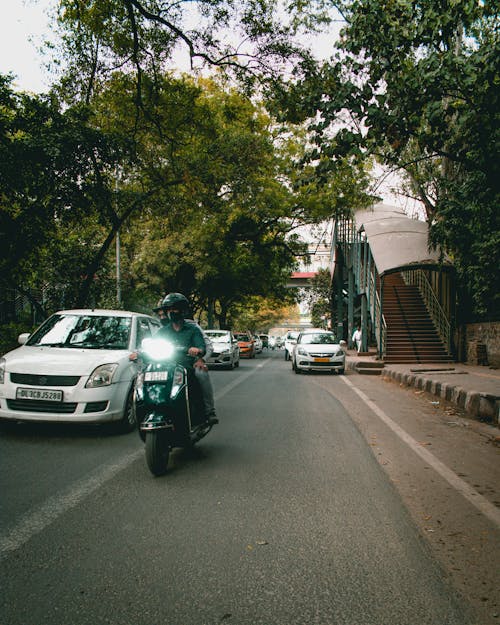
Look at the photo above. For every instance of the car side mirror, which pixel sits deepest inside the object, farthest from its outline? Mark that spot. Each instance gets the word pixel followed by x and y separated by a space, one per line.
pixel 22 338
pixel 343 343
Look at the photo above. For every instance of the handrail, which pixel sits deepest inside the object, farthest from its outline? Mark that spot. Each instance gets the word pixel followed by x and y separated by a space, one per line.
pixel 419 279
pixel 380 326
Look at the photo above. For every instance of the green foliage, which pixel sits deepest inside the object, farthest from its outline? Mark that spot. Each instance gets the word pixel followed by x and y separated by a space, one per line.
pixel 318 297
pixel 221 234
pixel 9 333
pixel 57 211
pixel 417 86
pixel 259 314
pixel 141 36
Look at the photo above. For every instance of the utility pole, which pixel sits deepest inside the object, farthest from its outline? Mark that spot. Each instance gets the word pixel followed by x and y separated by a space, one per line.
pixel 118 278
pixel 117 247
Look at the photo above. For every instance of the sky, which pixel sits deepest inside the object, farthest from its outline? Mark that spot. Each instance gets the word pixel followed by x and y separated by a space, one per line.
pixel 23 27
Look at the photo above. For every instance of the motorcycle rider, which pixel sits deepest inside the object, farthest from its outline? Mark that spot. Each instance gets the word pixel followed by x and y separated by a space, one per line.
pixel 180 330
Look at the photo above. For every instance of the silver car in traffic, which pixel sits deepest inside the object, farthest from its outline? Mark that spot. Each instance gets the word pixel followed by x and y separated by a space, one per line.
pixel 226 352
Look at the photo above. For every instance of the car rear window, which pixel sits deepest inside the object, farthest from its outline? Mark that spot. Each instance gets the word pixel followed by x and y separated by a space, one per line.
pixel 242 337
pixel 218 337
pixel 318 339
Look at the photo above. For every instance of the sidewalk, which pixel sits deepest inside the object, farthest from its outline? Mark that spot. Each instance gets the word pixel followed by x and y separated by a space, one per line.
pixel 474 389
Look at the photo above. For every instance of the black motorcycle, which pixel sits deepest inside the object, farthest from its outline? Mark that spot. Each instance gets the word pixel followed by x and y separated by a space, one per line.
pixel 168 403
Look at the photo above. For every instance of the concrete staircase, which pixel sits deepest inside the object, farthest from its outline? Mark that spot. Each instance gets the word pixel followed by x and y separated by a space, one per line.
pixel 368 367
pixel 411 335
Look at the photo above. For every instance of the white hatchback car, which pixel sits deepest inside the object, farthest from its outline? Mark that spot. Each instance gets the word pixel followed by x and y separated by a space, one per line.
pixel 318 350
pixel 75 368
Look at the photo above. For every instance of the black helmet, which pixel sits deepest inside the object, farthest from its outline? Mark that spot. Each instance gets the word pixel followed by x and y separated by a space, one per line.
pixel 175 300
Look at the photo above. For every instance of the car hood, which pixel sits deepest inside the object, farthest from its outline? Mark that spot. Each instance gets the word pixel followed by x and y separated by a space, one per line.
pixel 59 361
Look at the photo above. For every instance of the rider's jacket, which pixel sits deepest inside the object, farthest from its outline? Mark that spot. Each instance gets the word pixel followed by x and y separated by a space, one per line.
pixel 189 335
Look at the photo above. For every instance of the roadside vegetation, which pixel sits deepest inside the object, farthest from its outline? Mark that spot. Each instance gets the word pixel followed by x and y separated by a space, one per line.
pixel 206 175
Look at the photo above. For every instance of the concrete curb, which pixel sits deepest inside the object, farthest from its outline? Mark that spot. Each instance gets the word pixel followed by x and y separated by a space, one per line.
pixel 478 405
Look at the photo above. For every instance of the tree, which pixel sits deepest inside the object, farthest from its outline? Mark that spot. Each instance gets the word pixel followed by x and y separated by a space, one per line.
pixel 51 180
pixel 318 297
pixel 142 36
pixel 417 87
pixel 223 234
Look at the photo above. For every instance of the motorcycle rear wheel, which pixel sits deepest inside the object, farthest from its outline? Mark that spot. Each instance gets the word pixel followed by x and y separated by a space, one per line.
pixel 157 452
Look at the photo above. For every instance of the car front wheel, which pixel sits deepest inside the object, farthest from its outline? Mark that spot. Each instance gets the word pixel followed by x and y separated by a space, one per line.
pixel 128 422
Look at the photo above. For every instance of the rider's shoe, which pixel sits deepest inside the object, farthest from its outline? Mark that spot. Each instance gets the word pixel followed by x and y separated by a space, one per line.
pixel 212 419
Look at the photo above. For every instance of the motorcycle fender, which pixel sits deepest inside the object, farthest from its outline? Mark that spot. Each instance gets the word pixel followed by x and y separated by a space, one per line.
pixel 156 421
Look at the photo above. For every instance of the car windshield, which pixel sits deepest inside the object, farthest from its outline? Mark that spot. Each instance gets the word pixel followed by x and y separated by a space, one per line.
pixel 323 338
pixel 218 337
pixel 83 331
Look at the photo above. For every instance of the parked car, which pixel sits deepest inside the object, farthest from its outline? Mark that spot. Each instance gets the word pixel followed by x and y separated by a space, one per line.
pixel 318 350
pixel 226 351
pixel 246 344
pixel 289 342
pixel 258 344
pixel 75 368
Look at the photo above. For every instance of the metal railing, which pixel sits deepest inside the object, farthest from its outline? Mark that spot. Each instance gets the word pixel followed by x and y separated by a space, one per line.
pixel 377 317
pixel 419 279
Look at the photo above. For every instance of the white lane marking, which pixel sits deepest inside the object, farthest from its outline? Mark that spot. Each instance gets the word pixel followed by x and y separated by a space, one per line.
pixel 39 518
pixel 475 498
pixel 239 380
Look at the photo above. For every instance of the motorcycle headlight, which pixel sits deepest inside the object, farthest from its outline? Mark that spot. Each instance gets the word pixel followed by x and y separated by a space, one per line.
pixel 157 349
pixel 102 376
pixel 2 370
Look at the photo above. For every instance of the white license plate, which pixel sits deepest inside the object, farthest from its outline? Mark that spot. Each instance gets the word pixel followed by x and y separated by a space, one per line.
pixel 43 394
pixel 155 376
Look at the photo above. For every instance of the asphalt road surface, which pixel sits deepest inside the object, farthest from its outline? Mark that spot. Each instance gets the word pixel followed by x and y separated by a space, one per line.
pixel 281 516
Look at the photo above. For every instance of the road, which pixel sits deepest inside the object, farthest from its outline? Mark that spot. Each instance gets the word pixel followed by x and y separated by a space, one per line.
pixel 283 515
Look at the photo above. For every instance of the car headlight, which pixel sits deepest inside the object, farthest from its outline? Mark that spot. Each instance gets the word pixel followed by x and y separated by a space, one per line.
pixel 302 351
pixel 2 370
pixel 102 376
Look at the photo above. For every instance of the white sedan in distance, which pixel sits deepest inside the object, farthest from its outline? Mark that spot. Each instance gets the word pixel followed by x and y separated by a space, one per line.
pixel 318 350
pixel 75 368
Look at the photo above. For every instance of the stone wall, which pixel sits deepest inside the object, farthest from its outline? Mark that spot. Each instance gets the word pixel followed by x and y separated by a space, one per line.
pixel 482 343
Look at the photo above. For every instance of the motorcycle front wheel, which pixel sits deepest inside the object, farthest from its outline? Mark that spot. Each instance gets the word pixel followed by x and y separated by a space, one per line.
pixel 157 452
